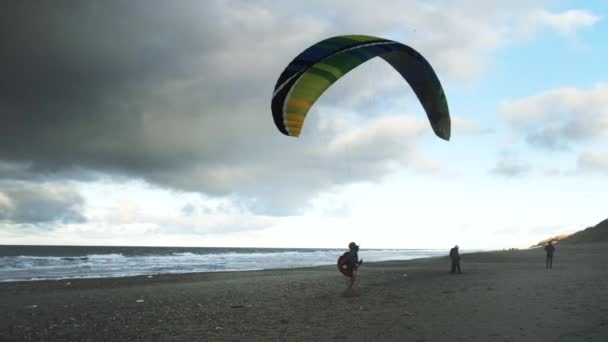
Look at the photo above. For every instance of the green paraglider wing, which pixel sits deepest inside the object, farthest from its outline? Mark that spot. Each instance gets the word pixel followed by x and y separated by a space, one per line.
pixel 318 67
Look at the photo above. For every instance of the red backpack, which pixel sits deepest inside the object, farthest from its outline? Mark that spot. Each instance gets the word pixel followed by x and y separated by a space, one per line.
pixel 343 264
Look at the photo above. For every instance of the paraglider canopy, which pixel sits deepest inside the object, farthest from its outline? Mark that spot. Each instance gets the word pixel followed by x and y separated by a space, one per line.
pixel 319 66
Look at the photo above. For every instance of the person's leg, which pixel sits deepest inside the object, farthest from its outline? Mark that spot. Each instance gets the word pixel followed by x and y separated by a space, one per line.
pixel 547 262
pixel 356 280
pixel 350 290
pixel 453 267
pixel 551 261
pixel 458 266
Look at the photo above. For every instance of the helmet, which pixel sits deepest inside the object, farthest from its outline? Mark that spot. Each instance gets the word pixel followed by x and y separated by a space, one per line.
pixel 353 245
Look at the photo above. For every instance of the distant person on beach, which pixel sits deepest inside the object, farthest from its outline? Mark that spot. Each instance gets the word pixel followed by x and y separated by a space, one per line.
pixel 455 257
pixel 348 264
pixel 549 248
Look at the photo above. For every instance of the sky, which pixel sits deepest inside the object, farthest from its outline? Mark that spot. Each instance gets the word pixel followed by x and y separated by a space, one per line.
pixel 148 123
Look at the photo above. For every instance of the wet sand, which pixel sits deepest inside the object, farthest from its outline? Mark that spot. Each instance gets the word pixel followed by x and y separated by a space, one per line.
pixel 501 296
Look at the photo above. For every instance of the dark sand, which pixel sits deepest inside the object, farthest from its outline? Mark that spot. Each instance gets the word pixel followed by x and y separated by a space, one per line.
pixel 501 296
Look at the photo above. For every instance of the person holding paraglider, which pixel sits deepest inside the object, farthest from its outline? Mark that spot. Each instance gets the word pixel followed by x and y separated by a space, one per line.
pixel 455 257
pixel 348 263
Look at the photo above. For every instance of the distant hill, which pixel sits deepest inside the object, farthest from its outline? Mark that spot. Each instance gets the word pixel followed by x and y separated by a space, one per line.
pixel 597 233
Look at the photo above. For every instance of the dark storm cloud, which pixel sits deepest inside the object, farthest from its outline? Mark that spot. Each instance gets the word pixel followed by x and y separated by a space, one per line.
pixel 177 92
pixel 114 86
pixel 35 204
pixel 78 77
pixel 127 86
pixel 164 91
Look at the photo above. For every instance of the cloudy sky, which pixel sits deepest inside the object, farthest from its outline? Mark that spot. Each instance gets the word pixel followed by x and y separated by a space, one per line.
pixel 149 123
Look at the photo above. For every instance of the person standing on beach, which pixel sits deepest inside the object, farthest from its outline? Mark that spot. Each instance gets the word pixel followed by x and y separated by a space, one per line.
pixel 549 248
pixel 455 257
pixel 348 264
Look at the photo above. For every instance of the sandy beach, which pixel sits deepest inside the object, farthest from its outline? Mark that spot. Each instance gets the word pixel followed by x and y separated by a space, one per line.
pixel 501 296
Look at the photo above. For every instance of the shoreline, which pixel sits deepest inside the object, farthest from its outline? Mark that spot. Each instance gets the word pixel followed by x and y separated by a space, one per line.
pixel 195 276
pixel 501 296
pixel 174 264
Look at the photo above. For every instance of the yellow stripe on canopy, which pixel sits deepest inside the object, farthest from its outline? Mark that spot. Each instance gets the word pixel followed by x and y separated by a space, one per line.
pixel 331 69
pixel 299 103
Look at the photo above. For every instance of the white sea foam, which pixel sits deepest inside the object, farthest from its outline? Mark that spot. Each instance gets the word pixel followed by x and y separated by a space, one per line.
pixel 27 268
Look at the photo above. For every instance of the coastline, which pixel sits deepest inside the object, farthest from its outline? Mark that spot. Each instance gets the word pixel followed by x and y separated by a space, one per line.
pixel 36 263
pixel 501 296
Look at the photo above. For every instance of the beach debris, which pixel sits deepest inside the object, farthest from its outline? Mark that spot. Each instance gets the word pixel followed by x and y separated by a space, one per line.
pixel 68 283
pixel 218 328
pixel 404 274
pixel 139 301
pixel 150 276
pixel 32 306
pixel 237 306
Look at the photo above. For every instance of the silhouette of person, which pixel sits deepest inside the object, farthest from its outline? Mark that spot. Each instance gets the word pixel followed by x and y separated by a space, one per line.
pixel 455 257
pixel 549 248
pixel 353 263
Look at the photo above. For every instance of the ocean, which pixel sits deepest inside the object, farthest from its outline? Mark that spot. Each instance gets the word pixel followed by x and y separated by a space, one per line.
pixel 30 263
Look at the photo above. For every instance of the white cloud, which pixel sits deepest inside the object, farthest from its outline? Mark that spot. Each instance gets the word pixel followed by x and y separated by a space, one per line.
pixel 430 167
pixel 567 22
pixel 553 172
pixel 40 204
pixel 138 205
pixel 6 202
pixel 386 137
pixel 557 118
pixel 509 167
pixel 593 162
pixel 463 126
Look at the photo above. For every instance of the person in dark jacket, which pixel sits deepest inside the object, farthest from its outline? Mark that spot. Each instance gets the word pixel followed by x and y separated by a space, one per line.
pixel 455 257
pixel 352 264
pixel 549 248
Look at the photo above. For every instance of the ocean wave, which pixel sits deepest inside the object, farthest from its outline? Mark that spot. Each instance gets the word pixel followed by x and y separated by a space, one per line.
pixel 96 265
pixel 106 256
pixel 185 254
